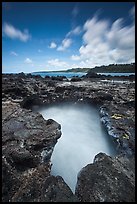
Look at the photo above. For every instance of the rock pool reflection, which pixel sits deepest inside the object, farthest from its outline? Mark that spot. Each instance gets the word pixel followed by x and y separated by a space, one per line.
pixel 82 138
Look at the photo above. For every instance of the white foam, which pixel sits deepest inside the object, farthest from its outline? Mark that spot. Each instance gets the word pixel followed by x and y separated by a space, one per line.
pixel 82 138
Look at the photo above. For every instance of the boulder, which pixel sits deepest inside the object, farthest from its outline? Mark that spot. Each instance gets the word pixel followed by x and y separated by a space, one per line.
pixel 25 136
pixel 107 180
pixel 39 186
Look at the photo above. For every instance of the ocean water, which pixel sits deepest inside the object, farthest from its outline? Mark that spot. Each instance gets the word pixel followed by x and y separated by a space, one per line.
pixel 74 74
pixel 83 136
pixel 67 74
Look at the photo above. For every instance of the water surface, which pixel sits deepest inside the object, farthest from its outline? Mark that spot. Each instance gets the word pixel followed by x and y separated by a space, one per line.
pixel 55 74
pixel 78 74
pixel 83 136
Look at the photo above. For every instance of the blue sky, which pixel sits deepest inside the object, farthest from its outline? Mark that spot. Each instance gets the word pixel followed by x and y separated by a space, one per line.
pixel 62 35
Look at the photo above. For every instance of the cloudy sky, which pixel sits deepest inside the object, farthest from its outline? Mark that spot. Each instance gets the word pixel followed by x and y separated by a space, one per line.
pixel 62 35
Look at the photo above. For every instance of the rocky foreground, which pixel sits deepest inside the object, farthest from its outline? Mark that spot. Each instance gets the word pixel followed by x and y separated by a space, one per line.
pixel 28 139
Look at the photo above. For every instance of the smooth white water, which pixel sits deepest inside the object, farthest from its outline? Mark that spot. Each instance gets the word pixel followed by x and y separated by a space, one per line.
pixel 82 138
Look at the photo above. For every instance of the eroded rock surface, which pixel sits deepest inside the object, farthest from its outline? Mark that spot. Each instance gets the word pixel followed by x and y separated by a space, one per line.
pixel 27 144
pixel 28 140
pixel 107 180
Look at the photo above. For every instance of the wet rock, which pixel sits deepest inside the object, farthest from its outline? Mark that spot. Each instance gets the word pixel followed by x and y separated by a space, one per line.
pixel 116 125
pixel 107 180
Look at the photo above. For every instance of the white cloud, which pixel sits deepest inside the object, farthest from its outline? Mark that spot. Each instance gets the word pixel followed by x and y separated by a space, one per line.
pixel 104 44
pixel 68 41
pixel 14 33
pixel 56 63
pixel 28 61
pixel 53 45
pixel 75 31
pixel 13 53
pixel 121 37
pixel 65 44
pixel 95 30
pixel 75 57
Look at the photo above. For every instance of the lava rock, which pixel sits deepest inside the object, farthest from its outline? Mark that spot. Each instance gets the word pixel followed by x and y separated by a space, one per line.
pixel 30 101
pixel 73 79
pixel 39 186
pixel 25 135
pixel 28 138
pixel 92 74
pixel 10 181
pixel 107 180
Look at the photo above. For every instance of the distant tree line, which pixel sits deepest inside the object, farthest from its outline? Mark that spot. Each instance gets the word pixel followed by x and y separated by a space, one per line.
pixel 78 70
pixel 116 68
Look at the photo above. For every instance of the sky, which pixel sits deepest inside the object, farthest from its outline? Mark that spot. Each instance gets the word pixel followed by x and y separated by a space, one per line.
pixel 50 36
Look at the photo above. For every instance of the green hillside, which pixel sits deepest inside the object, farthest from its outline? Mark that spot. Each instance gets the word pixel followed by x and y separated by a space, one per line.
pixel 78 70
pixel 116 68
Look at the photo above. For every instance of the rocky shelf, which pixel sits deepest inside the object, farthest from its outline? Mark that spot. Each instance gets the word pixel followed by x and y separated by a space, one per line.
pixel 28 139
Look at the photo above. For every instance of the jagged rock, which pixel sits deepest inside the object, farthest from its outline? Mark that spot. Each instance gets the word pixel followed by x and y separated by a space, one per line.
pixel 39 186
pixel 24 137
pixel 107 180
pixel 28 140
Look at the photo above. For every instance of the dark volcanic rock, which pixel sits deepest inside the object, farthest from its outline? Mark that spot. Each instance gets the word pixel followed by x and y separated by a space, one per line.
pixel 107 180
pixel 39 186
pixel 58 78
pixel 25 134
pixel 92 74
pixel 130 103
pixel 28 140
pixel 23 159
pixel 10 181
pixel 120 127
pixel 75 79
pixel 30 101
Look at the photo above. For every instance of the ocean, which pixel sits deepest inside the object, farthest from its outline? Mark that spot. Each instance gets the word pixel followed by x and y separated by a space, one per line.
pixel 67 74
pixel 76 74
